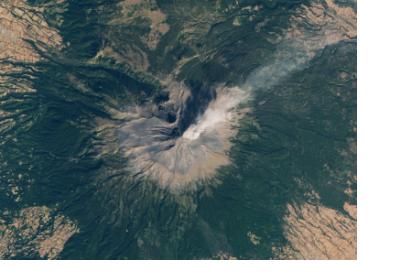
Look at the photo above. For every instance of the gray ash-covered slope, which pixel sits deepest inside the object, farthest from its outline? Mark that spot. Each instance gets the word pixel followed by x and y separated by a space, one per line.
pixel 144 129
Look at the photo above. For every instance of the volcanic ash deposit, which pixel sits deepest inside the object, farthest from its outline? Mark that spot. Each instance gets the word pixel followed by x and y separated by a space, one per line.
pixel 186 148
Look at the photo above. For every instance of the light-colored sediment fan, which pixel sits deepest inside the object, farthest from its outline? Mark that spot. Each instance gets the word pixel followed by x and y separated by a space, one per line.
pixel 319 232
pixel 20 23
pixel 145 141
pixel 34 230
